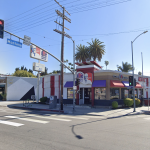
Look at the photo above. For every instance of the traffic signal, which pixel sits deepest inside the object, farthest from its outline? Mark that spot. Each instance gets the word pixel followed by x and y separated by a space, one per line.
pixel 130 80
pixel 134 82
pixel 77 81
pixel 1 29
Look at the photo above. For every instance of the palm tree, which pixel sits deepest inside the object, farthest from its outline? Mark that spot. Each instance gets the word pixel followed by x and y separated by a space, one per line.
pixel 96 49
pixel 82 53
pixel 139 73
pixel 106 63
pixel 126 67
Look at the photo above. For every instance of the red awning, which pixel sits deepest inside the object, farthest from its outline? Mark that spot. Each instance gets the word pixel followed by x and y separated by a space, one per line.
pixel 138 85
pixel 115 83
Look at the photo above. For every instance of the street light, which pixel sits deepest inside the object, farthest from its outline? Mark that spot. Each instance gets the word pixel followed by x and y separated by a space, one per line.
pixel 133 67
pixel 73 75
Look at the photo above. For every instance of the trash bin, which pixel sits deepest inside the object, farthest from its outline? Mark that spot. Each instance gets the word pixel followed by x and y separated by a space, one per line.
pixel 52 102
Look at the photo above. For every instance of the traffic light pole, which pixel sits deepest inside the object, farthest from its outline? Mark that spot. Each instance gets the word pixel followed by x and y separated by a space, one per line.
pixel 41 49
pixel 133 77
pixel 73 75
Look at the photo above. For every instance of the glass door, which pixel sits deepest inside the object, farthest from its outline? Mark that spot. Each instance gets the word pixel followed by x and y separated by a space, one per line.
pixel 87 95
pixel 81 99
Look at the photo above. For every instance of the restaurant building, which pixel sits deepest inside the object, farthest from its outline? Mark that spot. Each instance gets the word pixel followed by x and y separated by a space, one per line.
pixel 97 86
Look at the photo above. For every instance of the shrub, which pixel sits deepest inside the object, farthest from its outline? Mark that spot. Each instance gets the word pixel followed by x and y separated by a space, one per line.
pixel 128 102
pixel 137 101
pixel 115 104
pixel 4 96
pixel 43 99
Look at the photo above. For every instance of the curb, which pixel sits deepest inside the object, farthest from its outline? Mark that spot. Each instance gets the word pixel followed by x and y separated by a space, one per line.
pixel 52 110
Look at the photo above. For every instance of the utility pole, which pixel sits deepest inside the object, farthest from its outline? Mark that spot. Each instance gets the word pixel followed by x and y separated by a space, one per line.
pixel 63 33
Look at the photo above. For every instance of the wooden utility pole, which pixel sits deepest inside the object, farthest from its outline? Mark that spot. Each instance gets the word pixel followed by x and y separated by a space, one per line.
pixel 62 47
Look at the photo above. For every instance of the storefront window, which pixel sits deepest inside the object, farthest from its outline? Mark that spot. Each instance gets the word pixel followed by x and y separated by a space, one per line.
pixel 114 93
pixel 100 93
pixel 124 93
pixel 70 93
pixel 140 93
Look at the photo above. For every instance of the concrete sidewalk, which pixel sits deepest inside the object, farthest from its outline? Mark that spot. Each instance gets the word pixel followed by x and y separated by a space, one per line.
pixel 79 110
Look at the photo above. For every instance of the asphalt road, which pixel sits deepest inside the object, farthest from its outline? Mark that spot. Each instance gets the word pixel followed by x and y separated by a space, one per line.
pixel 37 130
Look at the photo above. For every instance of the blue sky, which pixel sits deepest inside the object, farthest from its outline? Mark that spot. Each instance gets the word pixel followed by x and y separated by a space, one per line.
pixel 114 22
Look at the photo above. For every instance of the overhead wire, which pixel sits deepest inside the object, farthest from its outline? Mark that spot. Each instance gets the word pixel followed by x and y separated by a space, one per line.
pixel 35 18
pixel 26 27
pixel 82 10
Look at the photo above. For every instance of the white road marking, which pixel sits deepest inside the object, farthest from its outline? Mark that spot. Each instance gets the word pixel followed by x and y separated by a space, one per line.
pixel 77 117
pixel 48 117
pixel 11 123
pixel 146 118
pixel 28 119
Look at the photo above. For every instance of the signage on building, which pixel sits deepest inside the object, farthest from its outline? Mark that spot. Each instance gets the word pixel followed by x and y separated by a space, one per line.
pixel 85 78
pixel 121 77
pixel 38 67
pixel 144 80
pixel 37 53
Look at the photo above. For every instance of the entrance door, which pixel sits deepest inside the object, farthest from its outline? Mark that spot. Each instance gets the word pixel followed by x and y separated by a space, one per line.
pixel 81 99
pixel 87 95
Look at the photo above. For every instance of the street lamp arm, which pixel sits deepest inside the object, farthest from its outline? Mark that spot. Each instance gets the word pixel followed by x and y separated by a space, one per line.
pixel 139 35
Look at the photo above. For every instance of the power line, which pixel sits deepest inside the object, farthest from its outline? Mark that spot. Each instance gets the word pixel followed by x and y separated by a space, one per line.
pixel 34 24
pixel 76 12
pixel 35 11
pixel 100 6
pixel 34 16
pixel 31 9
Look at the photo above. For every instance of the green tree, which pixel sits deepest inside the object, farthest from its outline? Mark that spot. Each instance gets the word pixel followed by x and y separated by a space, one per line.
pixel 106 63
pixel 139 73
pixel 82 53
pixel 45 73
pixel 22 67
pixel 30 71
pixel 96 49
pixel 126 67
pixel 17 69
pixel 23 73
pixel 25 69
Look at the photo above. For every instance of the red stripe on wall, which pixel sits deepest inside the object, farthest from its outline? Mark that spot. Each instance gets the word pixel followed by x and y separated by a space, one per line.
pixel 146 94
pixel 52 85
pixel 147 82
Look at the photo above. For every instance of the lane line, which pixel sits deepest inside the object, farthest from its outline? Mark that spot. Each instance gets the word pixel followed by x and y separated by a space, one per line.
pixel 28 119
pixel 11 123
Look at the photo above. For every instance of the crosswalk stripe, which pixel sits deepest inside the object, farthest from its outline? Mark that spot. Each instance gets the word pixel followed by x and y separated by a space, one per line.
pixel 147 118
pixel 11 123
pixel 48 117
pixel 63 116
pixel 28 119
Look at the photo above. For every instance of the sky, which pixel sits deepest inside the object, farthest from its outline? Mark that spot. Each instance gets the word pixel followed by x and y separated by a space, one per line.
pixel 114 22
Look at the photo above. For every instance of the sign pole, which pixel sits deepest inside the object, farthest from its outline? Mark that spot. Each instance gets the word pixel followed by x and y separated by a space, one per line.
pixel 38 85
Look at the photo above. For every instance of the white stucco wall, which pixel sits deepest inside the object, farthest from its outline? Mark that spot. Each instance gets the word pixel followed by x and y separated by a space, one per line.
pixel 17 87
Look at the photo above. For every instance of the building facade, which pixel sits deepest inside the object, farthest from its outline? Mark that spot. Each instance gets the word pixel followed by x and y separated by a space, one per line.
pixel 97 86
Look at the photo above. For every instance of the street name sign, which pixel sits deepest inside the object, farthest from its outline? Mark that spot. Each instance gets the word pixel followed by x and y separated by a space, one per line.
pixel 38 67
pixel 75 87
pixel 26 40
pixel 14 43
pixel 37 53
